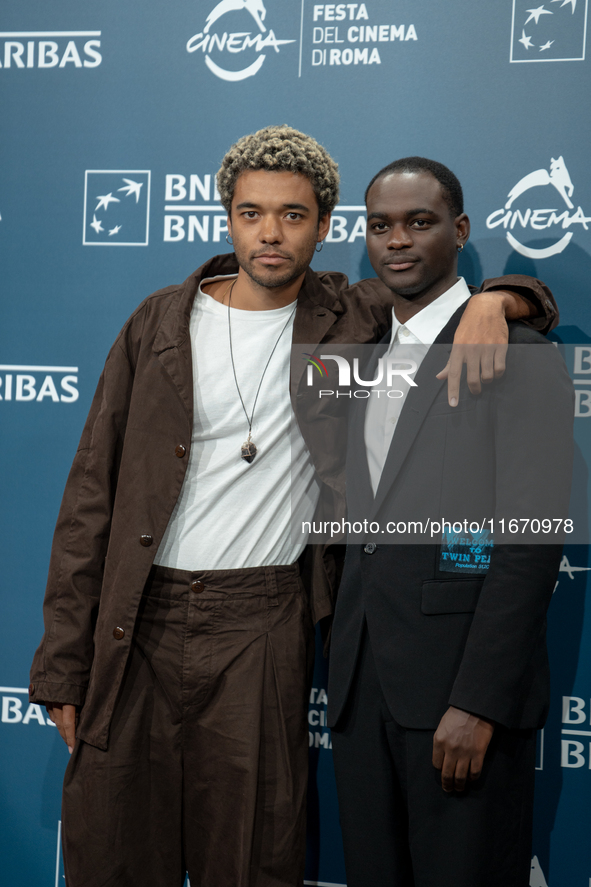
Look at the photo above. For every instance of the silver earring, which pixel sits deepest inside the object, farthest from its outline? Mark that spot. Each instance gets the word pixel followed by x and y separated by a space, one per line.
pixel 229 240
pixel 460 247
pixel 321 245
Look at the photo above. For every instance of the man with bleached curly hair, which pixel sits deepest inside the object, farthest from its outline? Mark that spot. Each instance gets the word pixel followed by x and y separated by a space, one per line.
pixel 281 149
pixel 179 612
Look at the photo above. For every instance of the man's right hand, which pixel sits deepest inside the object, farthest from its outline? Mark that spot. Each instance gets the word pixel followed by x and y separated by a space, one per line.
pixel 459 747
pixel 65 718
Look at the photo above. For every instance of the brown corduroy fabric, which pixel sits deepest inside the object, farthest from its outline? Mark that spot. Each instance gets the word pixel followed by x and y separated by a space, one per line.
pixel 206 767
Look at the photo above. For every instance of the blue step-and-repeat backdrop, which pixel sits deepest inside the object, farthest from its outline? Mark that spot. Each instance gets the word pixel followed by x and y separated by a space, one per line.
pixel 115 116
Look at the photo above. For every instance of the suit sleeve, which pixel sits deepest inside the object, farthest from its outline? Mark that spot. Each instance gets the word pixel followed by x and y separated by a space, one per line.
pixel 536 292
pixel 61 665
pixel 533 441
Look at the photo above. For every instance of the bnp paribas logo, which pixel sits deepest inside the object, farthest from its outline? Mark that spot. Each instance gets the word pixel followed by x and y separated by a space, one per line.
pixel 116 207
pixel 554 31
pixel 236 39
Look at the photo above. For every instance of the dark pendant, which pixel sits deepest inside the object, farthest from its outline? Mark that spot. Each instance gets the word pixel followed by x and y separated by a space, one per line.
pixel 248 451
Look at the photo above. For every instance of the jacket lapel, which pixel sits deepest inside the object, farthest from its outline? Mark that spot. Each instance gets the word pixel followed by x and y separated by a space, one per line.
pixel 416 407
pixel 317 310
pixel 172 342
pixel 359 489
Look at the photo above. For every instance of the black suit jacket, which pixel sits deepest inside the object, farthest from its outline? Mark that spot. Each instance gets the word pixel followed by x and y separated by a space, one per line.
pixel 469 639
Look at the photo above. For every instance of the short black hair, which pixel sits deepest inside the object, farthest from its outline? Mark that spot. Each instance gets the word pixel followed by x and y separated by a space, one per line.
pixel 450 184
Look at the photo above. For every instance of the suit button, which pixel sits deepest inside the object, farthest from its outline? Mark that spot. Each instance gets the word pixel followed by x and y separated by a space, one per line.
pixel 118 633
pixel 146 541
pixel 370 548
pixel 197 586
pixel 180 451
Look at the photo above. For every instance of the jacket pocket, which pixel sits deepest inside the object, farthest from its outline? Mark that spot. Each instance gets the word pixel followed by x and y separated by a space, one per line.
pixel 441 407
pixel 450 595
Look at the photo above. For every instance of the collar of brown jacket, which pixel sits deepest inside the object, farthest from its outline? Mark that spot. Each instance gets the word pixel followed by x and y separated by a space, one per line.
pixel 316 293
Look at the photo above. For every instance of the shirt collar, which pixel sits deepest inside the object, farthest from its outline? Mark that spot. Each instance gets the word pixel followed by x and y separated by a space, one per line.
pixel 426 325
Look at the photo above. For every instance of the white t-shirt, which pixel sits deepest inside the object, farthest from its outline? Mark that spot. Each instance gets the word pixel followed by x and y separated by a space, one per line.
pixel 232 514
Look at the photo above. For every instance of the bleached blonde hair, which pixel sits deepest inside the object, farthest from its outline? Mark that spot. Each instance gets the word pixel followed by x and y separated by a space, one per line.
pixel 281 149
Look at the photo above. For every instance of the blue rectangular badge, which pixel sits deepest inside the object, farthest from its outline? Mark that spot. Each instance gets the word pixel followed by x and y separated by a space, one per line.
pixel 465 553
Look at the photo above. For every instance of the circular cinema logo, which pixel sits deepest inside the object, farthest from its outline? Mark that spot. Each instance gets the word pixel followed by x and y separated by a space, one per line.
pixel 225 52
pixel 553 220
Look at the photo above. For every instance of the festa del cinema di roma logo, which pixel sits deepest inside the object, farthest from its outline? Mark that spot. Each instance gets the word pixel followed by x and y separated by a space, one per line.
pixel 231 44
pixel 541 219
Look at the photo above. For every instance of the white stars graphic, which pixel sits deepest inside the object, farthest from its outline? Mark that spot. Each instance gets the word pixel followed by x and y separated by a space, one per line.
pixel 565 567
pixel 132 187
pixel 554 31
pixel 96 225
pixel 536 13
pixel 117 206
pixel 525 40
pixel 105 200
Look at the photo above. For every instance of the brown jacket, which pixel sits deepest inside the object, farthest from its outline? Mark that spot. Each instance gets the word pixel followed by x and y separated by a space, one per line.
pixel 129 468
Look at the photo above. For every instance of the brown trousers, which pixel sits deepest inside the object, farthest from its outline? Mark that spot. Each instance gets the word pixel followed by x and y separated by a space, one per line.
pixel 206 767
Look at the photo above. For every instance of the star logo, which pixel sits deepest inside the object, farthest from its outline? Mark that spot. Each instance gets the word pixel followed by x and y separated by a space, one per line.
pixel 536 13
pixel 96 225
pixel 573 3
pixel 116 221
pixel 132 187
pixel 565 567
pixel 105 200
pixel 525 40
pixel 555 31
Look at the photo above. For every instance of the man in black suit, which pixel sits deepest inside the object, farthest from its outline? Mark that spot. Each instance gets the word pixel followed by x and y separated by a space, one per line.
pixel 438 671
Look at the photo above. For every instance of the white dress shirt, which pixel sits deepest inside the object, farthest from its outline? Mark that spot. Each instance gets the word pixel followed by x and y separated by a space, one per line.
pixel 409 342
